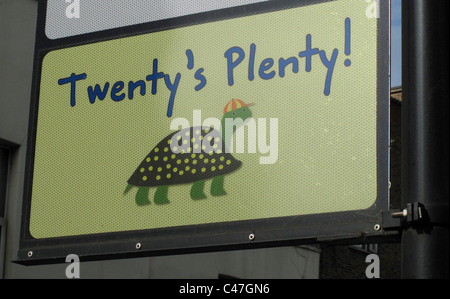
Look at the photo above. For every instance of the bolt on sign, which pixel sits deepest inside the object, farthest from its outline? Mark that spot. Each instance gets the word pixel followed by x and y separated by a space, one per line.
pixel 186 126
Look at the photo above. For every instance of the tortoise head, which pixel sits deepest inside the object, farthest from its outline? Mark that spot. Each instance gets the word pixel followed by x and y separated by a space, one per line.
pixel 237 109
pixel 238 112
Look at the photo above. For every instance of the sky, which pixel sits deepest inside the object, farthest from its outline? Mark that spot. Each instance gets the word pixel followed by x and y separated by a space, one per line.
pixel 396 44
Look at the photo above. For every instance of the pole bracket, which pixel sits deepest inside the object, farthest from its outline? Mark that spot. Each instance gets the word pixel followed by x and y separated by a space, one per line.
pixel 414 214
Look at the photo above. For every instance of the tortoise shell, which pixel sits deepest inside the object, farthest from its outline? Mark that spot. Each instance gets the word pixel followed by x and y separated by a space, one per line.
pixel 186 156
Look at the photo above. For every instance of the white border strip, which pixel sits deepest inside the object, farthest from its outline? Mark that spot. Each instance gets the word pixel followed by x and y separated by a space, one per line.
pixel 67 18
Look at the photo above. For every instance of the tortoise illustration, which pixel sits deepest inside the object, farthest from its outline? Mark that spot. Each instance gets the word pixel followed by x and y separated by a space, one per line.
pixel 190 155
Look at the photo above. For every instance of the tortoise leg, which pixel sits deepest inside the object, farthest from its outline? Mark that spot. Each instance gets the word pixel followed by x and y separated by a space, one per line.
pixel 217 186
pixel 160 197
pixel 197 190
pixel 142 196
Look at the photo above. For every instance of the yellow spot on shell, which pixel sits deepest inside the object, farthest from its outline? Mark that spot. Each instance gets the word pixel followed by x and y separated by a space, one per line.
pixel 158 177
pixel 186 160
pixel 228 162
pixel 159 169
pixel 150 168
pixel 203 169
pixel 156 158
pixel 213 161
pixel 142 169
pixel 206 160
pixel 178 161
pixel 144 178
pixel 194 162
pixel 222 158
pixel 181 172
pixel 166 149
pixel 165 159
pixel 213 168
pixel 168 166
pixel 168 176
pixel 220 167
pixel 175 169
pixel 194 171
pixel 156 149
pixel 148 159
pixel 187 168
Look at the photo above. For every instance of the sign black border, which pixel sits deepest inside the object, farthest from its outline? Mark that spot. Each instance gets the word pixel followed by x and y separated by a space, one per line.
pixel 351 227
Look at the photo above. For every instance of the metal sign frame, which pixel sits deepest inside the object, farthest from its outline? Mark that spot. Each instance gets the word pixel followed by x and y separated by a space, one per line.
pixel 352 227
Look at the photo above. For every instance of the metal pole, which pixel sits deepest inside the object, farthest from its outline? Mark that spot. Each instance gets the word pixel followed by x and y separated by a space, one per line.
pixel 425 137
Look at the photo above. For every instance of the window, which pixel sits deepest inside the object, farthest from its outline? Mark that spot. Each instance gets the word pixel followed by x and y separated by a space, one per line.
pixel 368 248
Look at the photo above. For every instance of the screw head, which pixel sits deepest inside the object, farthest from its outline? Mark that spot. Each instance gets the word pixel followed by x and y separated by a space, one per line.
pixel 138 246
pixel 251 237
pixel 377 227
pixel 30 253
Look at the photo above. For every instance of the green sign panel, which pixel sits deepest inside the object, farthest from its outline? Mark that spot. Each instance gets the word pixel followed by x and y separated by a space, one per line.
pixel 194 132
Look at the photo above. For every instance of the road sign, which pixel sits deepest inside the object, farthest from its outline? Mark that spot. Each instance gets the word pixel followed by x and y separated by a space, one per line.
pixel 205 128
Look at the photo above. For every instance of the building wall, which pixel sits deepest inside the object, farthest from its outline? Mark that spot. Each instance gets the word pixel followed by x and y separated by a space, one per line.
pixel 17 30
